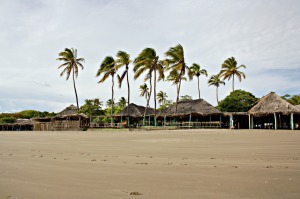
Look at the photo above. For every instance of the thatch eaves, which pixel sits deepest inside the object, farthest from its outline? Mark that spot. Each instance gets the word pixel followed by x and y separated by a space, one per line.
pixel 135 111
pixel 194 107
pixel 298 106
pixel 272 103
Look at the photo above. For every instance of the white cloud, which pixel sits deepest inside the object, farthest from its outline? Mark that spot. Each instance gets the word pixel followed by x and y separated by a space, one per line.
pixel 263 35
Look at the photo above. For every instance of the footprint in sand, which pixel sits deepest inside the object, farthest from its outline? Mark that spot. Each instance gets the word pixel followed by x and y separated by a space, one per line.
pixel 135 193
pixel 93 160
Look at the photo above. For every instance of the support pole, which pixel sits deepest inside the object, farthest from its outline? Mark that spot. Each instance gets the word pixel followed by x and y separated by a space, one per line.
pixel 252 122
pixel 292 121
pixel 275 121
pixel 165 120
pixel 220 120
pixel 230 121
pixel 210 121
pixel 249 121
pixel 149 121
pixel 190 120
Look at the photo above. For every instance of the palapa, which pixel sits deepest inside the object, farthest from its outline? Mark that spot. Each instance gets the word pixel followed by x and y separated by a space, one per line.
pixel 272 103
pixel 135 111
pixel 191 107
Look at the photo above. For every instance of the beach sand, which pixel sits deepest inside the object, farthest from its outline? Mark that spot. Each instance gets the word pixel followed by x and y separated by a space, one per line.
pixel 150 164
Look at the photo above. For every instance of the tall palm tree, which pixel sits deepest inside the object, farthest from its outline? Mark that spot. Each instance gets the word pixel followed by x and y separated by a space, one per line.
pixel 147 61
pixel 123 59
pixel 175 62
pixel 216 81
pixel 106 69
pixel 71 63
pixel 230 69
pixel 162 97
pixel 196 70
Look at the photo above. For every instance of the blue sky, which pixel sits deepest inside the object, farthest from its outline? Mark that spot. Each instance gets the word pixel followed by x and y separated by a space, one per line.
pixel 264 35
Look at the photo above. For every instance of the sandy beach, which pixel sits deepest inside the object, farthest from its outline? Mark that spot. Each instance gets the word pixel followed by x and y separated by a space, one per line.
pixel 150 164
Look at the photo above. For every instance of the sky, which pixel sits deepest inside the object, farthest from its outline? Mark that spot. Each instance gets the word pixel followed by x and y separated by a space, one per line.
pixel 263 35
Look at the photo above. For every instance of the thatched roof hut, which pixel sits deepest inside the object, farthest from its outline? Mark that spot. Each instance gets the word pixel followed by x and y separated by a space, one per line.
pixel 198 107
pixel 272 103
pixel 70 110
pixel 135 111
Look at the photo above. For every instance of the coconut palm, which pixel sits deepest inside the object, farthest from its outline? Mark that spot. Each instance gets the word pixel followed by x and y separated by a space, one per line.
pixel 106 69
pixel 71 63
pixel 196 70
pixel 144 92
pixel 148 62
pixel 122 102
pixel 175 62
pixel 230 69
pixel 216 81
pixel 162 97
pixel 123 59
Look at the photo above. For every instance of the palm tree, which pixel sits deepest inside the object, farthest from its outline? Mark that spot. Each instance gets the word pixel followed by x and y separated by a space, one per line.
pixel 175 62
pixel 147 61
pixel 144 92
pixel 123 59
pixel 230 69
pixel 196 70
pixel 71 63
pixel 215 81
pixel 122 102
pixel 106 69
pixel 162 97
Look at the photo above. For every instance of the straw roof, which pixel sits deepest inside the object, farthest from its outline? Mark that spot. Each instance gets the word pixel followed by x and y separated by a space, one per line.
pixel 70 110
pixel 194 107
pixel 135 111
pixel 272 103
pixel 298 106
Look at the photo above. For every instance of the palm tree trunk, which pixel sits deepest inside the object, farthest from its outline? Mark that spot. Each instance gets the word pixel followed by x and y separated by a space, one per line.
pixel 217 94
pixel 177 98
pixel 154 88
pixel 75 91
pixel 112 99
pixel 232 82
pixel 128 90
pixel 198 87
pixel 148 99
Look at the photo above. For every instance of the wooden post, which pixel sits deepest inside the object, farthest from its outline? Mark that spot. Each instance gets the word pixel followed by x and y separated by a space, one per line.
pixel 249 121
pixel 292 121
pixel 275 121
pixel 190 120
pixel 210 121
pixel 220 120
pixel 165 120
pixel 231 121
pixel 149 121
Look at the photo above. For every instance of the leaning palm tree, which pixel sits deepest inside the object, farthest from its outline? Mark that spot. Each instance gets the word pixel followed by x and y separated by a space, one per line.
pixel 71 63
pixel 162 97
pixel 147 61
pixel 123 59
pixel 230 69
pixel 196 70
pixel 175 62
pixel 106 69
pixel 216 81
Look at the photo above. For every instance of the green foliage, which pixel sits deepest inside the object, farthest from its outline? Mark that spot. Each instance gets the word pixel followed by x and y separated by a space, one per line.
pixel 185 98
pixel 295 99
pixel 237 101
pixel 92 107
pixel 167 104
pixel 4 120
pixel 29 114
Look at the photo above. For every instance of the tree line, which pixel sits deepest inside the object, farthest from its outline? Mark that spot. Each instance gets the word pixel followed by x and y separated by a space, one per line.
pixel 171 68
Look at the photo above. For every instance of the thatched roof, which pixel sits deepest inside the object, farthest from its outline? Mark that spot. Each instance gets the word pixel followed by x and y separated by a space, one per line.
pixel 70 110
pixel 298 106
pixel 194 107
pixel 272 103
pixel 135 111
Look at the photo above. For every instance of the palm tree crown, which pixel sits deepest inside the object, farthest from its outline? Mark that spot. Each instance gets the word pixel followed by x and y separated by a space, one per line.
pixel 196 70
pixel 71 63
pixel 230 69
pixel 162 97
pixel 216 81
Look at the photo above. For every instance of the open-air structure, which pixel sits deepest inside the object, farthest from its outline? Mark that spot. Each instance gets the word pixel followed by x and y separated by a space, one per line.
pixel 67 120
pixel 273 112
pixel 191 114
